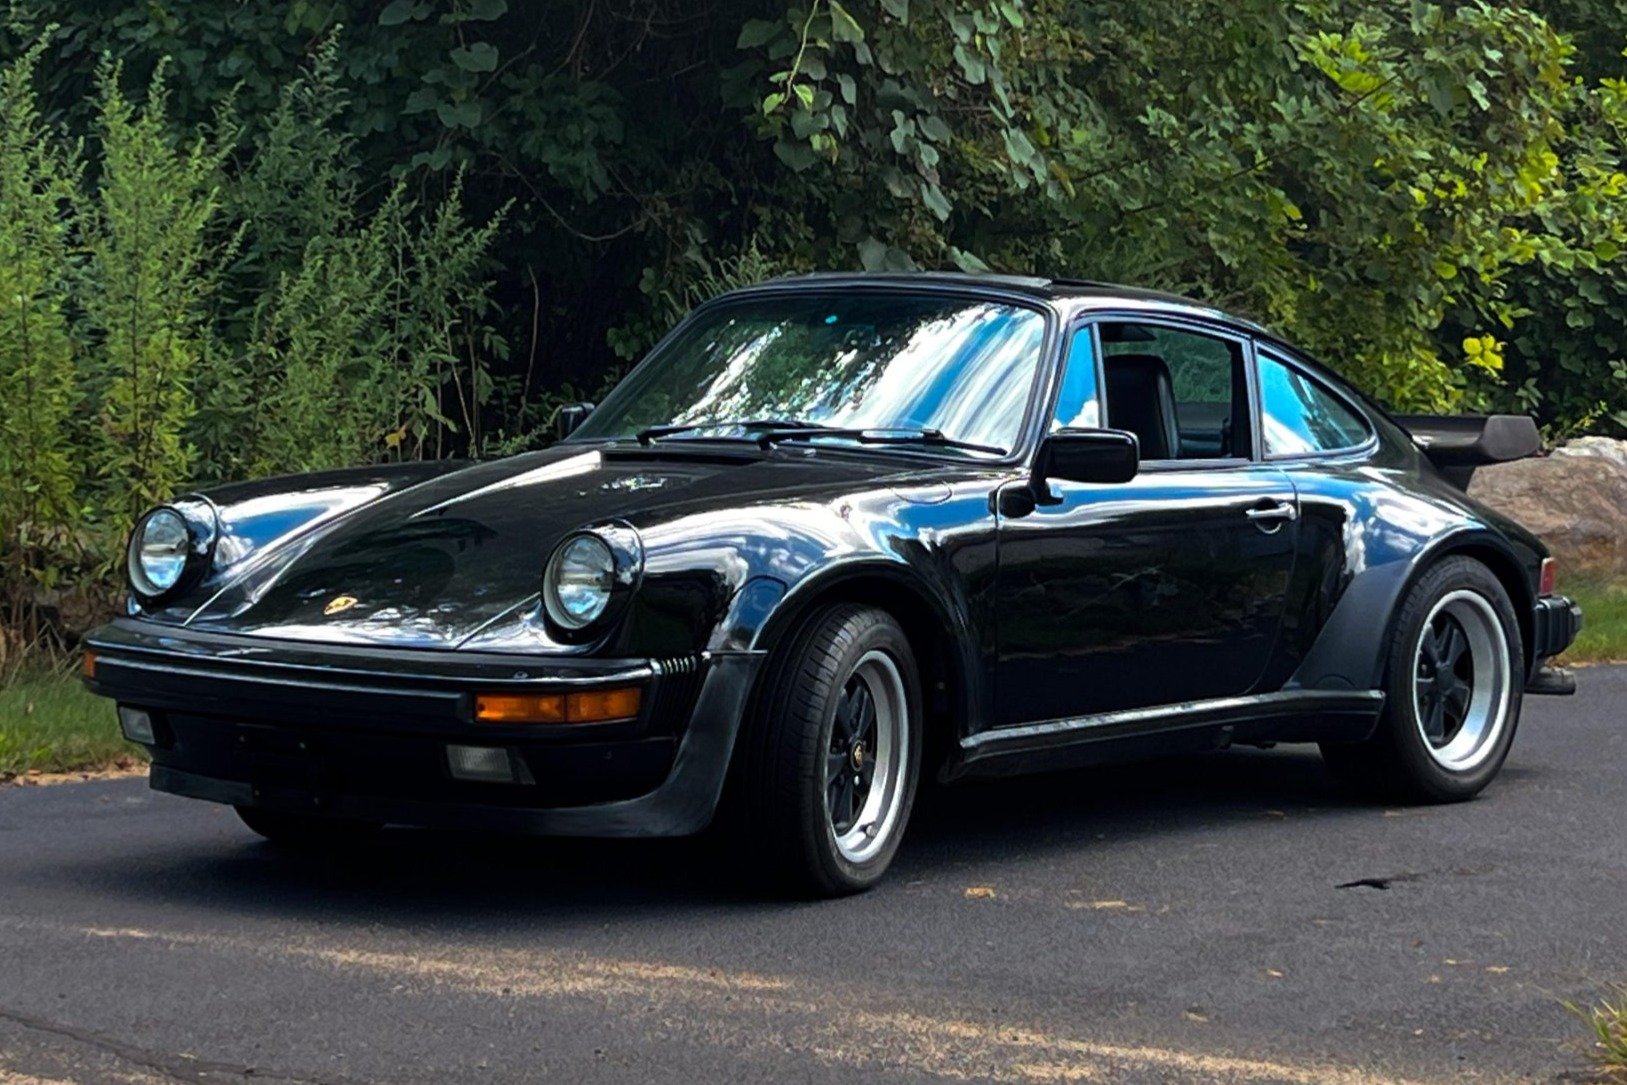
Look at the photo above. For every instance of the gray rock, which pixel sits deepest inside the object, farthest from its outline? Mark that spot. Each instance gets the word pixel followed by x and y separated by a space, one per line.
pixel 1576 501
pixel 1607 447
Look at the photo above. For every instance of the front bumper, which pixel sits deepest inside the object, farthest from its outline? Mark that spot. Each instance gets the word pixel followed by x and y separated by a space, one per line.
pixel 362 732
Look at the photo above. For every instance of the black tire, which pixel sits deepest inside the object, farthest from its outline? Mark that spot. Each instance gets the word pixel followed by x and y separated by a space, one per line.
pixel 791 742
pixel 1401 761
pixel 307 832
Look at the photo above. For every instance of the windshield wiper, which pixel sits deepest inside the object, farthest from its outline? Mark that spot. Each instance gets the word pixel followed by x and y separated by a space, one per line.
pixel 655 433
pixel 932 438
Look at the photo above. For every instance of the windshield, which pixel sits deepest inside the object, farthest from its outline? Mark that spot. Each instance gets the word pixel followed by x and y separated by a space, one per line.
pixel 958 368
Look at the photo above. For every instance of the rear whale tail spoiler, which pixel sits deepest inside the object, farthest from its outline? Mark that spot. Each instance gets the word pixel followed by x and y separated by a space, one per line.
pixel 1458 443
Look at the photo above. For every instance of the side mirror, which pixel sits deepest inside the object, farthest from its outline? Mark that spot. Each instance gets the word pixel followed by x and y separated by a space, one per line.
pixel 569 418
pixel 1087 455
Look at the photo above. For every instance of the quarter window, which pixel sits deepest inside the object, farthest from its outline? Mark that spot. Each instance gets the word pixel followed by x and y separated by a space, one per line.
pixel 1299 416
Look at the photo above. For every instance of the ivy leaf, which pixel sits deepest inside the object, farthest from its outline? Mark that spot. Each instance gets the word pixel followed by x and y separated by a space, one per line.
pixel 933 128
pixel 799 156
pixel 459 114
pixel 933 197
pixel 479 57
pixel 971 65
pixel 485 11
pixel 757 32
pixel 399 11
pixel 872 254
pixel 843 27
pixel 422 100
pixel 898 9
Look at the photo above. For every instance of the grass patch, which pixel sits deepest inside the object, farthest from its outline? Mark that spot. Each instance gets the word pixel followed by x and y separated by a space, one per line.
pixel 1607 1020
pixel 1604 622
pixel 50 723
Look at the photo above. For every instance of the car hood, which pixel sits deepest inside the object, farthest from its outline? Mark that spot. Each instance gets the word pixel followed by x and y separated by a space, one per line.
pixel 432 564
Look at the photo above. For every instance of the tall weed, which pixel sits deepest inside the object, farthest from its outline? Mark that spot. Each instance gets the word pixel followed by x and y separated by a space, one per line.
pixel 40 472
pixel 179 308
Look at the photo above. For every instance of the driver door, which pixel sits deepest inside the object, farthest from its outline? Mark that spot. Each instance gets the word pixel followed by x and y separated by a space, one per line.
pixel 1169 588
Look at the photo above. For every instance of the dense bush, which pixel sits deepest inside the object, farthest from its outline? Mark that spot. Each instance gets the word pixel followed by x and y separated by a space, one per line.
pixel 1425 194
pixel 180 305
pixel 266 261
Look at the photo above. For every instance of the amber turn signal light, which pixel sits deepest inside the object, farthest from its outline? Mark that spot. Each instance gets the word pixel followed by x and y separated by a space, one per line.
pixel 87 665
pixel 588 706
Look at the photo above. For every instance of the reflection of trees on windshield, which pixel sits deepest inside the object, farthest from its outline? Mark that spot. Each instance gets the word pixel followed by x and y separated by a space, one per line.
pixel 878 362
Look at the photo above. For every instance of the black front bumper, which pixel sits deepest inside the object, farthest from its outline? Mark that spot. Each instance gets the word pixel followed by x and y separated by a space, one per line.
pixel 363 732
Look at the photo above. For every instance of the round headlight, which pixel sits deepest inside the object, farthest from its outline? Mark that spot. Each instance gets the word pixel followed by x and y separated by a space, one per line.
pixel 171 546
pixel 159 551
pixel 576 589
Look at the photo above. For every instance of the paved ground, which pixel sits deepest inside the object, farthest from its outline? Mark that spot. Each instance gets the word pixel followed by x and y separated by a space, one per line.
pixel 1179 922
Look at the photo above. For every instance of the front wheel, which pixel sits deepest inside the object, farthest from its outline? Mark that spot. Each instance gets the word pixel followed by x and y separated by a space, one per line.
pixel 832 754
pixel 1453 690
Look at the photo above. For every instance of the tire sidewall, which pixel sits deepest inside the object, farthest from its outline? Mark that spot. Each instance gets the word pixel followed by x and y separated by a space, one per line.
pixel 885 635
pixel 1432 779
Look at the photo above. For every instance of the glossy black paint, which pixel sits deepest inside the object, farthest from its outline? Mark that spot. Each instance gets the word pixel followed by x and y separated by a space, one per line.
pixel 1057 622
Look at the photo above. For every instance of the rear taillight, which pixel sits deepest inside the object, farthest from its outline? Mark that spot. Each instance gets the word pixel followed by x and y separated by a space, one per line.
pixel 1550 575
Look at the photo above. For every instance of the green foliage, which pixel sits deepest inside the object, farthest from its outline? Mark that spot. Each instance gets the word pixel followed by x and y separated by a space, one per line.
pixel 38 501
pixel 149 272
pixel 200 306
pixel 51 723
pixel 1353 175
pixel 1603 638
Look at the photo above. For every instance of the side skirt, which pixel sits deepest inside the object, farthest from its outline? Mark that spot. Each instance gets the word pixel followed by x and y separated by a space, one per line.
pixel 1189 727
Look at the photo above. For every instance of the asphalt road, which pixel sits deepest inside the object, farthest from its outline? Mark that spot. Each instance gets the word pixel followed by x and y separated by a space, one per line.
pixel 1178 922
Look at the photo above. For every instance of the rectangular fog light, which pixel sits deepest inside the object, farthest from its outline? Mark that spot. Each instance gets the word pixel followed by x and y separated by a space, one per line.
pixel 487 764
pixel 137 725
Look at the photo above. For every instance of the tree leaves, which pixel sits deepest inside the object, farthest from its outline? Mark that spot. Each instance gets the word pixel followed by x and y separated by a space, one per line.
pixel 397 12
pixel 843 27
pixel 479 57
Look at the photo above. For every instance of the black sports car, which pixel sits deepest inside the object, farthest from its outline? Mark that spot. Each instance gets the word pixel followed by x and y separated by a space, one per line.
pixel 835 532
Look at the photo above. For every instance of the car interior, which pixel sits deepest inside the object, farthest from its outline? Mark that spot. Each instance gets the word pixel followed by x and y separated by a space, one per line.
pixel 1183 394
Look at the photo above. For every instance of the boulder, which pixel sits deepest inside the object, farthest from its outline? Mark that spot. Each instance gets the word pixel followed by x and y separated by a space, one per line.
pixel 1607 447
pixel 1575 500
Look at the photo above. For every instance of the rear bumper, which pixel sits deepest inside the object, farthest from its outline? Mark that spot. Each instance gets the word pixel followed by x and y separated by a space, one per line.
pixel 1555 622
pixel 359 732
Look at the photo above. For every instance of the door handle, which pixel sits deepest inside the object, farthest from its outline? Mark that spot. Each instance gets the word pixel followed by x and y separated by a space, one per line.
pixel 1282 510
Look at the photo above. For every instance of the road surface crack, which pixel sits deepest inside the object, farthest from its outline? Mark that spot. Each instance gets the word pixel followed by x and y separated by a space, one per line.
pixel 174 1067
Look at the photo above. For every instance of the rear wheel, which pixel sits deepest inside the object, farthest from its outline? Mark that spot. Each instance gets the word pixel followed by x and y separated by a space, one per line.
pixel 1453 691
pixel 306 831
pixel 832 754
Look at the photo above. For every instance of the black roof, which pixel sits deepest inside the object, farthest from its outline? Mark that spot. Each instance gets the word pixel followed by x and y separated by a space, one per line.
pixel 1030 285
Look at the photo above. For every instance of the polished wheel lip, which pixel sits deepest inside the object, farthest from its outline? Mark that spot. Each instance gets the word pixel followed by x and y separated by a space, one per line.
pixel 1468 736
pixel 879 742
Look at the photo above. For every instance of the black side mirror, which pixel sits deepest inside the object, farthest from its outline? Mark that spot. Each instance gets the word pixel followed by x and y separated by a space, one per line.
pixel 569 418
pixel 1087 455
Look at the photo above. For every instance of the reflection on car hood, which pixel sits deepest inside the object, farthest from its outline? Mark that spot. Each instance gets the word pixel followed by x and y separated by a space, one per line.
pixel 431 564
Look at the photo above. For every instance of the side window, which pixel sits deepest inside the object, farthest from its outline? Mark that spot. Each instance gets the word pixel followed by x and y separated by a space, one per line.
pixel 1077 404
pixel 1298 416
pixel 1183 394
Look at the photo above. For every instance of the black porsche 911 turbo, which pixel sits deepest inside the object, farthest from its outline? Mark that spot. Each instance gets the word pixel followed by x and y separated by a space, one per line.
pixel 834 532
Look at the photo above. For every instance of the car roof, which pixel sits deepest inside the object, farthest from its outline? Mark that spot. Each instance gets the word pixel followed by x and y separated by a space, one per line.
pixel 1078 293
